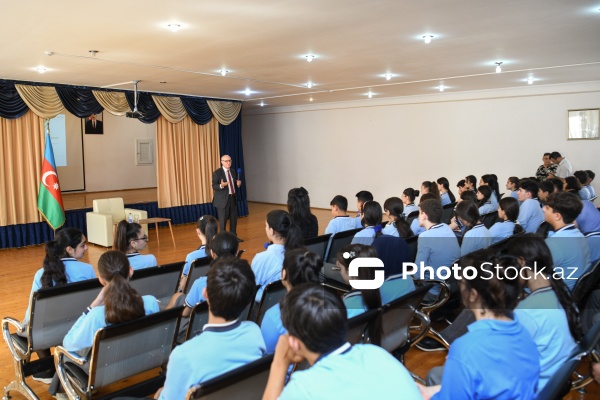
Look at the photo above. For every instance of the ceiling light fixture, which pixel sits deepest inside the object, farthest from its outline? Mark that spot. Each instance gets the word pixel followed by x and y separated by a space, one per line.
pixel 224 72
pixel 311 99
pixel 262 103
pixel 427 39
pixel 93 52
pixel 309 57
pixel 247 92
pixel 309 84
pixel 370 94
pixel 174 27
pixel 388 76
pixel 442 88
pixel 498 67
pixel 41 69
pixel 530 80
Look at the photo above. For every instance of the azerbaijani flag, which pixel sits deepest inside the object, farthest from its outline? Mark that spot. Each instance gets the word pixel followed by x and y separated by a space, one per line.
pixel 50 201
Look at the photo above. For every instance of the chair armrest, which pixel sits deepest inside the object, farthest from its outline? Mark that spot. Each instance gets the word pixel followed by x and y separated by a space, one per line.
pixel 442 298
pixel 61 355
pixel 425 323
pixel 16 354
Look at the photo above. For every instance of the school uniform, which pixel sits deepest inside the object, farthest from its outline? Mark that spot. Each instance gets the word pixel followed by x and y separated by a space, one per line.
pixel 141 261
pixel 267 266
pixel 219 349
pixel 584 194
pixel 445 197
pixel 531 215
pixel 80 337
pixel 416 228
pixel 191 257
pixel 487 208
pixel 271 328
pixel 476 238
pixel 75 271
pixel 395 287
pixel 340 223
pixel 409 208
pixel 365 236
pixel 592 191
pixel 593 240
pixel 493 360
pixel 588 219
pixel 501 230
pixel 354 303
pixel 357 221
pixel 494 201
pixel 195 295
pixel 362 371
pixel 390 230
pixel 546 321
pixel 570 253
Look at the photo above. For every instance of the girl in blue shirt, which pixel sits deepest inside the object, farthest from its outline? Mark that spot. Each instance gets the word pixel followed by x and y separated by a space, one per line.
pixel 371 221
pixel 475 236
pixel 408 198
pixel 397 226
pixel 131 239
pixel 446 194
pixel 206 228
pixel 508 212
pixel 484 202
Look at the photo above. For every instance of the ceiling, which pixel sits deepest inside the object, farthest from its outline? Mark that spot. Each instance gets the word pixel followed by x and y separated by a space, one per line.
pixel 262 43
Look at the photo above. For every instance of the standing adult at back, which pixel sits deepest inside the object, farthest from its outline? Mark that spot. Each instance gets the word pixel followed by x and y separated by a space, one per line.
pixel 563 168
pixel 546 168
pixel 225 183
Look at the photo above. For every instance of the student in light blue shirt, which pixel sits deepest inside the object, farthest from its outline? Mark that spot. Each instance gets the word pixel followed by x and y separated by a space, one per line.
pixel 317 325
pixel 130 239
pixel 408 199
pixel 446 194
pixel 397 225
pixel 226 342
pixel 476 236
pixel 593 240
pixel 491 180
pixel 531 215
pixel 371 220
pixel 206 228
pixel 588 184
pixel 361 198
pixel 588 219
pixel 569 248
pixel 299 266
pixel 584 192
pixel 341 220
pixel 508 212
pixel 484 200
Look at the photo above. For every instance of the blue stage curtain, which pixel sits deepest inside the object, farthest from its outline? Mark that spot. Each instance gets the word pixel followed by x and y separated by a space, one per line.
pixel 11 104
pixel 145 105
pixel 230 142
pixel 197 109
pixel 78 101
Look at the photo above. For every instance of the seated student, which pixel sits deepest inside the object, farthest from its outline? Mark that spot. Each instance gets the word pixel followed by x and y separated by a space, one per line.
pixel 371 219
pixel 568 246
pixel 584 192
pixel 588 184
pixel 491 181
pixel 206 228
pixel 437 246
pixel 508 212
pixel 60 266
pixel 415 225
pixel 430 187
pixel 471 183
pixel 484 202
pixel 572 185
pixel 298 204
pixel 299 266
pixel 497 358
pixel 512 184
pixel 361 198
pixel 317 324
pixel 461 185
pixel 548 312
pixel 284 235
pixel 131 239
pixel 397 225
pixel 531 215
pixel 545 189
pixel 588 219
pixel 341 220
pixel 593 240
pixel 475 236
pixel 445 193
pixel 408 199
pixel 468 195
pixel 226 342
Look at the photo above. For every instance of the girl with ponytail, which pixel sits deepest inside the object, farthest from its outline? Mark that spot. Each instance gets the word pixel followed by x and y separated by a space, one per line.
pixel 408 198
pixel 508 212
pixel 117 302
pixel 371 221
pixel 131 239
pixel 395 212
pixel 206 229
pixel 299 266
pixel 446 194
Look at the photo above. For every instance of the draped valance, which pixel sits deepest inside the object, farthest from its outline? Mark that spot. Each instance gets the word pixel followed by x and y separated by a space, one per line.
pixel 49 100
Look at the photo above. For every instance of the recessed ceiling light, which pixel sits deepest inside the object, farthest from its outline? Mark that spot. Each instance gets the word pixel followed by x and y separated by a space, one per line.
pixel 370 94
pixel 309 84
pixel 442 88
pixel 223 72
pixel 41 69
pixel 174 27
pixel 93 52
pixel 530 80
pixel 498 67
pixel 248 92
pixel 388 76
pixel 309 57
pixel 311 99
pixel 427 38
pixel 262 103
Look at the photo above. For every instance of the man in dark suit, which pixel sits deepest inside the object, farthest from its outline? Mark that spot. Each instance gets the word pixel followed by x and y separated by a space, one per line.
pixel 93 126
pixel 225 183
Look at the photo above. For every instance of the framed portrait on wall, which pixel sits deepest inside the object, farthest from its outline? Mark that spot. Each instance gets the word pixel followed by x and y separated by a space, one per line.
pixel 584 124
pixel 93 124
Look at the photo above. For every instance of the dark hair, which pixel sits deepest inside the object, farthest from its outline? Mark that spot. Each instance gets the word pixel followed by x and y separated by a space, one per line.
pixel 529 185
pixel 281 222
pixel 224 244
pixel 431 186
pixel 472 180
pixel 582 176
pixel 208 225
pixel 121 301
pixel 558 184
pixel 486 191
pixel 555 155
pixel 498 293
pixel 54 269
pixel 469 195
pixel 372 214
pixel 567 204
pixel 444 182
pixel 534 250
pixel 492 181
pixel 298 204
pixel 230 286
pixel 591 175
pixel 433 209
pixel 510 206
pixel 364 196
pixel 546 186
pixel 126 232
pixel 371 297
pixel 315 316
pixel 411 193
pixel 515 181
pixel 340 201
pixel 302 266
pixel 572 183
pixel 395 206
pixel 461 183
pixel 468 212
pixel 547 154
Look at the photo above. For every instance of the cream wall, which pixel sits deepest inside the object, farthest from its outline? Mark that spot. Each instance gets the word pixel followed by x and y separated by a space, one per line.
pixel 110 158
pixel 386 145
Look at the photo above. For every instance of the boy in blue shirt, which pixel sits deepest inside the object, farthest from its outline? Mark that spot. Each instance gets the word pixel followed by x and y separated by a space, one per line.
pixel 317 324
pixel 341 220
pixel 531 215
pixel 361 198
pixel 226 343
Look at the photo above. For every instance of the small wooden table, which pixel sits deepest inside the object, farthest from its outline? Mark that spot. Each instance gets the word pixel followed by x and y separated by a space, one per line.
pixel 156 221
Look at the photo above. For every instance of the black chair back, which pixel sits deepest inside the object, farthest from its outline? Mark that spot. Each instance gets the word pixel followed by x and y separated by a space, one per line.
pixel 489 219
pixel 338 241
pixel 318 244
pixel 272 295
pixel 357 326
pixel 198 318
pixel 447 212
pixel 543 229
pixel 198 269
pixel 161 282
pixel 412 243
pixel 412 216
pixel 393 251
pixel 586 284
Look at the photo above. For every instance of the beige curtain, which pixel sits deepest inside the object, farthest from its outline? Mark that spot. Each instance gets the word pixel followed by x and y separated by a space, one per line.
pixel 42 100
pixel 113 102
pixel 22 149
pixel 187 154
pixel 224 111
pixel 171 108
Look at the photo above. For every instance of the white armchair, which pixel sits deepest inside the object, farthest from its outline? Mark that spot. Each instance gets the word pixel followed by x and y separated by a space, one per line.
pixel 107 213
